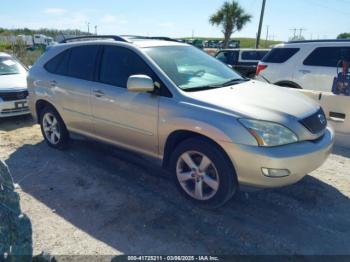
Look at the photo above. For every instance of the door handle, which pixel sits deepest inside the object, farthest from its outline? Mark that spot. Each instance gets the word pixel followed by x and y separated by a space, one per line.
pixel 305 72
pixel 99 93
pixel 53 83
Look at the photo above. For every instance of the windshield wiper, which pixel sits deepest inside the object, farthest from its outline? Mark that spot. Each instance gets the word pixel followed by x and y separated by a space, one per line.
pixel 208 87
pixel 6 74
pixel 235 81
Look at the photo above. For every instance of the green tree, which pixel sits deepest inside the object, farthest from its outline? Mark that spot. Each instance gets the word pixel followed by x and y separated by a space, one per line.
pixel 232 17
pixel 344 36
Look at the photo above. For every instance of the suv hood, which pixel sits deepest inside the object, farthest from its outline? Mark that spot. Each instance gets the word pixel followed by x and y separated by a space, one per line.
pixel 258 100
pixel 13 82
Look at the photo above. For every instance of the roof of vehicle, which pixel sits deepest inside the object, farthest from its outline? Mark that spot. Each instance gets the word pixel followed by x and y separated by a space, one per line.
pixel 244 49
pixel 320 41
pixel 4 54
pixel 323 42
pixel 140 41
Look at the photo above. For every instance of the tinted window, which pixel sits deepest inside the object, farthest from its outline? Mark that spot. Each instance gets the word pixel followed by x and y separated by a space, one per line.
pixel 328 56
pixel 280 55
pixel 78 62
pixel 82 62
pixel 228 57
pixel 118 64
pixel 58 64
pixel 253 55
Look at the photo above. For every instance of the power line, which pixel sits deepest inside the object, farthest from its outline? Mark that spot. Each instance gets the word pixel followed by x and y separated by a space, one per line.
pixel 295 32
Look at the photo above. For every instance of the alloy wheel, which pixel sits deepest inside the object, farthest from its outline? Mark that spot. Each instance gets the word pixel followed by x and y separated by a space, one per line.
pixel 51 128
pixel 197 175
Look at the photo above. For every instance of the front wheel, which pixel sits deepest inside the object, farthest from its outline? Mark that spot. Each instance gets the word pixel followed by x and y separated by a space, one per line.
pixel 53 128
pixel 203 172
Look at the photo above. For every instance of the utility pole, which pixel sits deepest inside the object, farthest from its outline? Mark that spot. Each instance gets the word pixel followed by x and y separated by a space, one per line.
pixel 295 33
pixel 88 27
pixel 260 24
pixel 267 35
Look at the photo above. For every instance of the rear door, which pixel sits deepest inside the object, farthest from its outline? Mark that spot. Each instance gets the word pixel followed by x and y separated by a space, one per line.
pixel 279 64
pixel 319 68
pixel 71 81
pixel 119 116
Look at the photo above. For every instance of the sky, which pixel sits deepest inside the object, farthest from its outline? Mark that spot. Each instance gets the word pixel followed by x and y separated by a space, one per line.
pixel 178 18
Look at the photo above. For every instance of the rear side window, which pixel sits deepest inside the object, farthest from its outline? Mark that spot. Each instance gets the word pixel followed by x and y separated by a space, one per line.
pixel 280 55
pixel 78 62
pixel 328 56
pixel 119 63
pixel 253 55
pixel 54 63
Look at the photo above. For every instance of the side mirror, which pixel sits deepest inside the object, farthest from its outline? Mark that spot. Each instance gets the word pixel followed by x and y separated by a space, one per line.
pixel 140 83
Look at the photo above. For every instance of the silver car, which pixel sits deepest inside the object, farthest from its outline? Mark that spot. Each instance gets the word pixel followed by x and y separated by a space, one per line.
pixel 213 130
pixel 13 87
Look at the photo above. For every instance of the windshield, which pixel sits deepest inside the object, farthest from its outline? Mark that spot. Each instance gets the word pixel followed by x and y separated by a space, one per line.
pixel 9 66
pixel 190 68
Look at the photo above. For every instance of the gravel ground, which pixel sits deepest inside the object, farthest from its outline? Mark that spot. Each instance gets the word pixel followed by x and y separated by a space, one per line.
pixel 93 199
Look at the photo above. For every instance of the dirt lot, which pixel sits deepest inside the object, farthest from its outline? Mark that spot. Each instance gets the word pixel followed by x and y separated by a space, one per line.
pixel 93 199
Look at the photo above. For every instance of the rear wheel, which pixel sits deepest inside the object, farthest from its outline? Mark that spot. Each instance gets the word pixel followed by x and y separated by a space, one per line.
pixel 53 128
pixel 203 172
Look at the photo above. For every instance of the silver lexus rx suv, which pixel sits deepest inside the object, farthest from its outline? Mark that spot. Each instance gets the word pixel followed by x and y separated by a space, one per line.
pixel 212 129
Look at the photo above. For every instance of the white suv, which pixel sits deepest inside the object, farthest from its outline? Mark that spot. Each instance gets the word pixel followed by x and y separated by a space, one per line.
pixel 304 64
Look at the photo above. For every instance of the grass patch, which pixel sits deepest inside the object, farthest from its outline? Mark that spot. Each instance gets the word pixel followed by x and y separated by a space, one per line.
pixel 18 50
pixel 245 41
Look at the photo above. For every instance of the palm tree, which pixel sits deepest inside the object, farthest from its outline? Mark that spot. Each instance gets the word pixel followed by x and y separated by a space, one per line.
pixel 231 17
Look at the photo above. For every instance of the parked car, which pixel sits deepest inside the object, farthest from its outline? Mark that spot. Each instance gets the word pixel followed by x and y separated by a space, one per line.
pixel 308 65
pixel 244 61
pixel 13 87
pixel 212 129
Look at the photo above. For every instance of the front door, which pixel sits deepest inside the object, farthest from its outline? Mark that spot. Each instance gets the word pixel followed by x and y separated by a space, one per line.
pixel 119 116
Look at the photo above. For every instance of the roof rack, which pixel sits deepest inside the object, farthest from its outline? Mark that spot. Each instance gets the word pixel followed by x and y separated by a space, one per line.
pixel 319 41
pixel 92 37
pixel 164 38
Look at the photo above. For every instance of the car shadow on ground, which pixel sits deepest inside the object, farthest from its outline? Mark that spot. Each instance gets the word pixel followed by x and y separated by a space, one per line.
pixel 341 151
pixel 12 123
pixel 132 205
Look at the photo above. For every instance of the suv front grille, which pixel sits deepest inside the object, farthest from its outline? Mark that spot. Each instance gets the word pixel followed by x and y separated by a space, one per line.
pixel 315 123
pixel 12 96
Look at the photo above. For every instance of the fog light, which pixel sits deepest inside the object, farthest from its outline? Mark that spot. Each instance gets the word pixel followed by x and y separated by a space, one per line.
pixel 270 172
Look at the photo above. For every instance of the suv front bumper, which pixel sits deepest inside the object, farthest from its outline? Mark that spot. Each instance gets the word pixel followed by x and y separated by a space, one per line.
pixel 14 108
pixel 299 159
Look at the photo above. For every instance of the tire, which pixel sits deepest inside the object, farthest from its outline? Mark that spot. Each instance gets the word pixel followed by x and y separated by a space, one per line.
pixel 55 133
pixel 288 86
pixel 218 181
pixel 251 76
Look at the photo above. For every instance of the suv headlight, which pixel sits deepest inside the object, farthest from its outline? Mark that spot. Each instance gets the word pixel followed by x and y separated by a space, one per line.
pixel 269 134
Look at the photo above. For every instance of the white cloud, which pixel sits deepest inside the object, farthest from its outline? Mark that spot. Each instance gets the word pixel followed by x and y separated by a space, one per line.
pixel 55 11
pixel 108 19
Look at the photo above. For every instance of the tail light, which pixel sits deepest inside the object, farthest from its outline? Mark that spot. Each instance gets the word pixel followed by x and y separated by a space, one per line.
pixel 260 68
